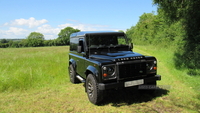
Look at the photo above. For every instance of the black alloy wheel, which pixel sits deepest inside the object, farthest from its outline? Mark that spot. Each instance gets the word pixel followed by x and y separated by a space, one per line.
pixel 94 94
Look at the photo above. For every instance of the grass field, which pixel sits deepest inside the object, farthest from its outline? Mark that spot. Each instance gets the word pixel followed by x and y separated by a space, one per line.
pixel 36 80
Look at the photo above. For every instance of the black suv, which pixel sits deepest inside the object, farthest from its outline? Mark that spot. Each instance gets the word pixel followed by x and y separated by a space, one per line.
pixel 104 60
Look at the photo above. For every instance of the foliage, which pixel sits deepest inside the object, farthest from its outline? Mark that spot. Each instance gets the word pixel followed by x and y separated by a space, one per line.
pixel 4 41
pixel 187 12
pixel 120 31
pixel 35 39
pixel 176 26
pixel 65 33
pixel 144 30
pixel 152 29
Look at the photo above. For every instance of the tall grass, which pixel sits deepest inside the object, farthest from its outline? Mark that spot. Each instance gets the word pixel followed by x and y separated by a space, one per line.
pixel 184 89
pixel 25 68
pixel 165 56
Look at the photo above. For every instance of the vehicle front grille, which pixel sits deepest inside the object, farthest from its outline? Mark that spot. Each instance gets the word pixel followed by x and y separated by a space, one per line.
pixel 131 69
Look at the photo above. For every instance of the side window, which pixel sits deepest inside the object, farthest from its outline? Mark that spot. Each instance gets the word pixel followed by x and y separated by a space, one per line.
pixel 81 44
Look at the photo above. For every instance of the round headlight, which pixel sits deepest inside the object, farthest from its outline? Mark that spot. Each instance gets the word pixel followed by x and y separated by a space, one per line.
pixel 151 65
pixel 111 70
pixel 108 72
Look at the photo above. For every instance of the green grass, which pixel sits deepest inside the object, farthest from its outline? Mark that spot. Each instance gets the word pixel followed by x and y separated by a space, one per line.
pixel 25 68
pixel 36 80
pixel 184 89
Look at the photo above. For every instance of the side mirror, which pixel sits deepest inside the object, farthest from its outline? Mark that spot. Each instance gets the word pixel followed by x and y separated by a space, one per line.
pixel 79 49
pixel 131 46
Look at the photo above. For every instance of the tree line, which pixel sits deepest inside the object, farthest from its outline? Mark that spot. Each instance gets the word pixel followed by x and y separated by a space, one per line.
pixel 36 39
pixel 176 26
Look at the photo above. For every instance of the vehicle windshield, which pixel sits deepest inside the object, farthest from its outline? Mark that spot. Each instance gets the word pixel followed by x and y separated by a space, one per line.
pixel 107 42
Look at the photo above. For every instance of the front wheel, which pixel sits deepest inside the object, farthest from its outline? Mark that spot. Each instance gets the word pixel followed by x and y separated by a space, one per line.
pixel 94 94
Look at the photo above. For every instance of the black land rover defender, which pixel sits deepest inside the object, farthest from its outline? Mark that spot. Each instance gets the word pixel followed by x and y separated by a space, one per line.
pixel 104 60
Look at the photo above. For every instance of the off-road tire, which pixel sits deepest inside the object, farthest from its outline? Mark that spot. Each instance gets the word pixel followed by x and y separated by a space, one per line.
pixel 94 94
pixel 72 75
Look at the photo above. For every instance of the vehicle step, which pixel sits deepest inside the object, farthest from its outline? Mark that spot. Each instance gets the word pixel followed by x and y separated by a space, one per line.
pixel 80 78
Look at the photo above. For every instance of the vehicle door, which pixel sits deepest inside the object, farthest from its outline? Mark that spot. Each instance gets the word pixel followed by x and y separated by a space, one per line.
pixel 81 68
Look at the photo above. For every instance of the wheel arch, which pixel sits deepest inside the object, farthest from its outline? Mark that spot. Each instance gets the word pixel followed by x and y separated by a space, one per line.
pixel 92 70
pixel 73 62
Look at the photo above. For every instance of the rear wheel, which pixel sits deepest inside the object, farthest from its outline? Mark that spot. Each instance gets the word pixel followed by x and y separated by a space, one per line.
pixel 72 74
pixel 94 94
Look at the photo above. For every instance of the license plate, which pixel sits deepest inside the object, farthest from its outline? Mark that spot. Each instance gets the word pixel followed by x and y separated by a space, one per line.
pixel 134 83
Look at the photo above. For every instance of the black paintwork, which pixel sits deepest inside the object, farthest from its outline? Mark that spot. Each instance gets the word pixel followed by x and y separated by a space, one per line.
pixel 86 59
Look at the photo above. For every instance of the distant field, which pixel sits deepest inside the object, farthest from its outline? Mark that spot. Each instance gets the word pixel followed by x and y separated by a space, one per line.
pixel 36 80
pixel 25 68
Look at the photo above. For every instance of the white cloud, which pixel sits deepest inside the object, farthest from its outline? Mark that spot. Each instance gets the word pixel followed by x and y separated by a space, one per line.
pixel 52 32
pixel 62 26
pixel 49 32
pixel 31 22
pixel 13 32
pixel 85 27
pixel 48 29
pixel 16 31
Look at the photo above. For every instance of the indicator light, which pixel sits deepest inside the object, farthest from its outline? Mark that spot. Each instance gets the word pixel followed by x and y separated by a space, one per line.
pixel 105 74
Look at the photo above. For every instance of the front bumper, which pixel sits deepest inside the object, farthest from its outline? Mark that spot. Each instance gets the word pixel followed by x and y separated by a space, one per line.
pixel 103 86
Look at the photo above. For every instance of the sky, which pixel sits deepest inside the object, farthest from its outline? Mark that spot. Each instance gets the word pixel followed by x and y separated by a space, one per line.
pixel 18 18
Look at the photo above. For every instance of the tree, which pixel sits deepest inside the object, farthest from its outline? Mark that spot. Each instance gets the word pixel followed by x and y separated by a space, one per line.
pixel 65 33
pixel 35 39
pixel 186 11
pixel 121 31
pixel 145 30
pixel 4 41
